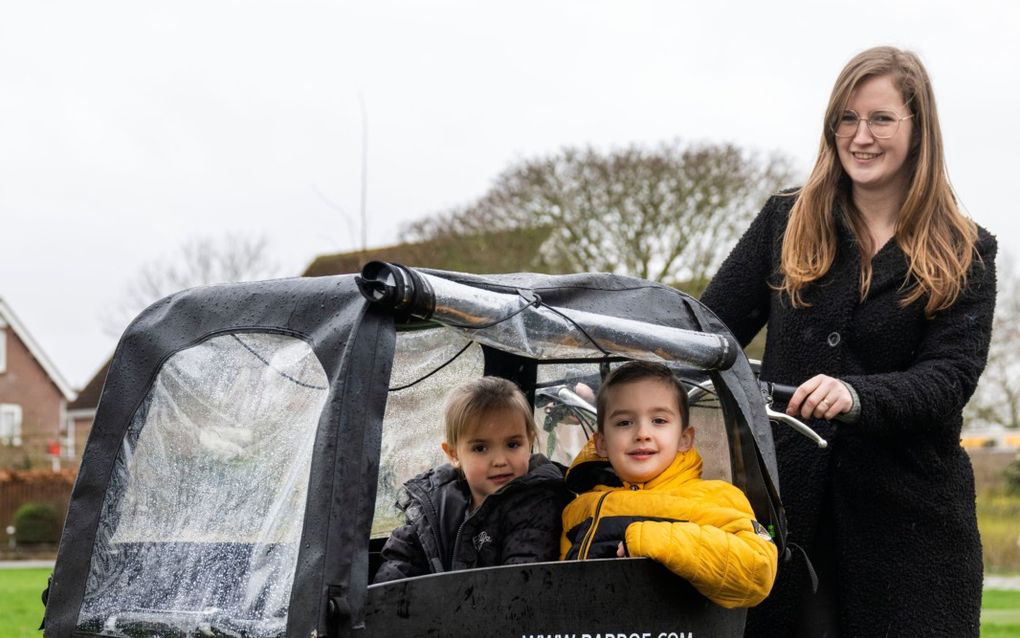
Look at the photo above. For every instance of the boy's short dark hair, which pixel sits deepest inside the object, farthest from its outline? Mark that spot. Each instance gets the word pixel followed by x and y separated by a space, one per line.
pixel 639 371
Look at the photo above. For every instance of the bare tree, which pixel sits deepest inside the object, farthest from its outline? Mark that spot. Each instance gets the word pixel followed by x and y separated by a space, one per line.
pixel 997 398
pixel 669 213
pixel 198 261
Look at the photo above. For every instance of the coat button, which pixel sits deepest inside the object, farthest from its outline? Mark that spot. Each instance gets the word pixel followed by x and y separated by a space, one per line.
pixel 833 339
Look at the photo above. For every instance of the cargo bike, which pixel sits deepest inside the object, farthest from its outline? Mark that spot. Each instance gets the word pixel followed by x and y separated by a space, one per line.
pixel 250 440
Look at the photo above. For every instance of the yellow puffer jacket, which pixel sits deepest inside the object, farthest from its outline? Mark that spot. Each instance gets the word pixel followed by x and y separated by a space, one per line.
pixel 701 530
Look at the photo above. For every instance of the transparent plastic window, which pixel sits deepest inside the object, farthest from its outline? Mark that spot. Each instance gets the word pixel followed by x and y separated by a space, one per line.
pixel 413 425
pixel 200 527
pixel 711 441
pixel 563 431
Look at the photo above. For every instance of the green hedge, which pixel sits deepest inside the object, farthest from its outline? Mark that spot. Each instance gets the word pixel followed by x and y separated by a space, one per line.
pixel 37 523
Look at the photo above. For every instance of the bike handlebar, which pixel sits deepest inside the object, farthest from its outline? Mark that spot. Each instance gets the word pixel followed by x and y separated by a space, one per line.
pixel 771 392
pixel 783 394
pixel 778 391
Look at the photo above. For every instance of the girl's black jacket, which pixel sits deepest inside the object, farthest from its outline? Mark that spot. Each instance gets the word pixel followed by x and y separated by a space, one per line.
pixel 887 512
pixel 520 523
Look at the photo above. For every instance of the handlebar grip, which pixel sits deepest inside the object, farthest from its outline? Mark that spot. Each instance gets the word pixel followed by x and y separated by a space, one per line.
pixel 783 394
pixel 779 392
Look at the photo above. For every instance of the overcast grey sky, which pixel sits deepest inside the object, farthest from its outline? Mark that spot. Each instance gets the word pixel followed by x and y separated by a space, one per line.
pixel 128 127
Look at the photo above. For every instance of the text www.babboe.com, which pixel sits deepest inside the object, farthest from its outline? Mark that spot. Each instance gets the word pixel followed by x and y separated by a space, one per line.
pixel 625 634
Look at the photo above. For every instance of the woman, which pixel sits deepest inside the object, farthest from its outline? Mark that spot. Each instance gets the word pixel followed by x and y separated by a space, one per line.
pixel 878 294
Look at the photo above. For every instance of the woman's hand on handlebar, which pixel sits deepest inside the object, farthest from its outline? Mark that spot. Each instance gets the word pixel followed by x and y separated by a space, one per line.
pixel 820 397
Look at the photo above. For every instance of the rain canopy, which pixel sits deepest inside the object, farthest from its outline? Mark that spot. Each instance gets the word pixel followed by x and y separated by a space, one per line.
pixel 249 437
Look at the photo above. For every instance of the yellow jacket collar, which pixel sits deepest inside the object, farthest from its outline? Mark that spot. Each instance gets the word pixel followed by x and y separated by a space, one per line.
pixel 590 469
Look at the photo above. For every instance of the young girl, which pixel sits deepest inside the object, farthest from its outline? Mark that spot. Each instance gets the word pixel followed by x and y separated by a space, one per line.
pixel 494 503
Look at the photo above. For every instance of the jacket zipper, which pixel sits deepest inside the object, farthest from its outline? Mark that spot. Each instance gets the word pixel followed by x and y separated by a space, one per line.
pixel 456 540
pixel 582 554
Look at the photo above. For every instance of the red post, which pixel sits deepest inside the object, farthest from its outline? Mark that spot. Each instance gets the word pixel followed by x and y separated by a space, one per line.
pixel 54 451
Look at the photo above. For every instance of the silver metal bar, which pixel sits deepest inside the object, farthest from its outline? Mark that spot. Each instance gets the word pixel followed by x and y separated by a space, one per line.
pixel 520 323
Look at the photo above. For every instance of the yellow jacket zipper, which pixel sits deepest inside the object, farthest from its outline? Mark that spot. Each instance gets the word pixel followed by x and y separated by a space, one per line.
pixel 582 554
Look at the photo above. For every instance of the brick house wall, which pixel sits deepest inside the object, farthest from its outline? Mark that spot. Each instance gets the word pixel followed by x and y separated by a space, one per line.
pixel 76 435
pixel 29 381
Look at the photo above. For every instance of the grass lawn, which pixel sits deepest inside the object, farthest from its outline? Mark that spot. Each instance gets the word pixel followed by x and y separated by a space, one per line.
pixel 21 609
pixel 1000 613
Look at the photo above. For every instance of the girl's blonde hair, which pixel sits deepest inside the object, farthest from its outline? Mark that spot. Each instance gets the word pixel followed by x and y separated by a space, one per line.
pixel 471 401
pixel 936 237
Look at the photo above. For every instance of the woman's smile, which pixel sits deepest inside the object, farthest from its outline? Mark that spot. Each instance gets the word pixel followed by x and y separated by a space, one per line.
pixel 864 157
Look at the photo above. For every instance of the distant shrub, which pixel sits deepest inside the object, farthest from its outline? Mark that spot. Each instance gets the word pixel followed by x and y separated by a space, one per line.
pixel 36 523
pixel 1012 473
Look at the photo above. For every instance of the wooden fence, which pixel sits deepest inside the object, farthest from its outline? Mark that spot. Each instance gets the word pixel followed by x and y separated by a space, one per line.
pixel 18 487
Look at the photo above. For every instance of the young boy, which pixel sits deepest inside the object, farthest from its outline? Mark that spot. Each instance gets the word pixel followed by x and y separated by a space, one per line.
pixel 643 494
pixel 494 503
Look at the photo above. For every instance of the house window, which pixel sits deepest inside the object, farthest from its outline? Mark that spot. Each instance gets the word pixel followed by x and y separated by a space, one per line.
pixel 10 424
pixel 3 349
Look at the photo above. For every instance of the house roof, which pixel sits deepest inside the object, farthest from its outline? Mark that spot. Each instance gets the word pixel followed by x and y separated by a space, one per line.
pixel 9 319
pixel 497 252
pixel 88 398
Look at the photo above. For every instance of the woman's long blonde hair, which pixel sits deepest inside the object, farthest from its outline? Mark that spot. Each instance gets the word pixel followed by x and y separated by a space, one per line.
pixel 931 230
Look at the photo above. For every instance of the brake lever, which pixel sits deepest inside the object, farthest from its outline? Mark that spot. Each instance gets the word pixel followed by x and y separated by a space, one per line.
pixel 797 425
pixel 769 391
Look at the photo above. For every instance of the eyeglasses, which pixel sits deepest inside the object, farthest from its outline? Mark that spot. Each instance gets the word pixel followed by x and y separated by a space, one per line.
pixel 882 124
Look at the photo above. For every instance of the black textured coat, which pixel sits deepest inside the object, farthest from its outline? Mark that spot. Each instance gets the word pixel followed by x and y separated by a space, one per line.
pixel 519 523
pixel 887 512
